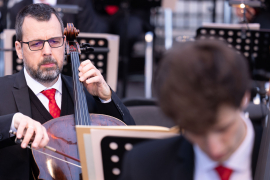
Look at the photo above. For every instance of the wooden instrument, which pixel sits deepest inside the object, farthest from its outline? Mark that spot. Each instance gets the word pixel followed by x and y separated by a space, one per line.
pixel 62 131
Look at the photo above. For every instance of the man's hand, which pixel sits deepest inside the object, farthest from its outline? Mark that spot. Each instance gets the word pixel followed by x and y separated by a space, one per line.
pixel 94 81
pixel 250 13
pixel 29 128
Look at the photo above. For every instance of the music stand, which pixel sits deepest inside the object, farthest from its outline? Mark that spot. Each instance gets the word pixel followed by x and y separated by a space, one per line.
pixel 101 148
pixel 253 44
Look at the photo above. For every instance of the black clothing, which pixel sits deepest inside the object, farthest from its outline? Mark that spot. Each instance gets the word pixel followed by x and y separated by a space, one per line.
pixel 86 20
pixel 171 159
pixel 263 18
pixel 15 97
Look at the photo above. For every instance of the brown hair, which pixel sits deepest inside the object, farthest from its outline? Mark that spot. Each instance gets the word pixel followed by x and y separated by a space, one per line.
pixel 195 78
pixel 40 12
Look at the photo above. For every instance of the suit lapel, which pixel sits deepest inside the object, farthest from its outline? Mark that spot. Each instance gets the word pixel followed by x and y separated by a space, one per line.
pixel 21 94
pixel 184 168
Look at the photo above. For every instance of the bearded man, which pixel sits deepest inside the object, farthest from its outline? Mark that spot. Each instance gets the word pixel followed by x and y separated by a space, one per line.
pixel 25 105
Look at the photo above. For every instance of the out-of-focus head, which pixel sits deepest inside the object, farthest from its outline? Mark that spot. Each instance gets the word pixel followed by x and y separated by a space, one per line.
pixel 40 22
pixel 202 86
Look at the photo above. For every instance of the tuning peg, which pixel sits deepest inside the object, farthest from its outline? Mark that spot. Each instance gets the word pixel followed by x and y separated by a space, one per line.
pixel 86 47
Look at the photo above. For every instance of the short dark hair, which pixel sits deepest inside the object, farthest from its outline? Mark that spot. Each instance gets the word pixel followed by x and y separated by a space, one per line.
pixel 40 12
pixel 196 78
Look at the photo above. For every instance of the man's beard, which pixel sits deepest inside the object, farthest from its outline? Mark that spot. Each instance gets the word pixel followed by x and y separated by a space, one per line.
pixel 45 75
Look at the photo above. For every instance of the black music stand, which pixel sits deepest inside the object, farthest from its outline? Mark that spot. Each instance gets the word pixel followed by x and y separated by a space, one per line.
pixel 98 58
pixel 102 149
pixel 110 168
pixel 126 6
pixel 253 44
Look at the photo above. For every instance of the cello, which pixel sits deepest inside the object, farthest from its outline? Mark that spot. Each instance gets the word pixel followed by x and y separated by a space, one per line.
pixel 61 131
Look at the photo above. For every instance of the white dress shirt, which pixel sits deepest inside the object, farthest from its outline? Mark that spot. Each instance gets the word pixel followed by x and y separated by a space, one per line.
pixel 36 87
pixel 239 162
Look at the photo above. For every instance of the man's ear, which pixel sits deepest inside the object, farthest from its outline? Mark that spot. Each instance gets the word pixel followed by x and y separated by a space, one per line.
pixel 245 100
pixel 18 47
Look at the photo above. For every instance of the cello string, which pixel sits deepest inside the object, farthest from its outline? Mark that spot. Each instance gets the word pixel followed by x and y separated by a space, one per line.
pixel 80 90
pixel 80 100
pixel 82 117
pixel 54 157
pixel 83 99
pixel 74 88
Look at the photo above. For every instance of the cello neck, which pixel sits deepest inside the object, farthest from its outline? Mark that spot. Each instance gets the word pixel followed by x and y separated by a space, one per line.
pixel 73 50
pixel 81 109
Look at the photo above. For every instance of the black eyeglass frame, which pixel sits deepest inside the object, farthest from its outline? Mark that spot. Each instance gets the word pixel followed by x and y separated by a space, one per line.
pixel 44 43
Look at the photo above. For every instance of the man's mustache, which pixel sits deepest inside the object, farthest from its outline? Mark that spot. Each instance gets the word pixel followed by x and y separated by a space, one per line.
pixel 48 61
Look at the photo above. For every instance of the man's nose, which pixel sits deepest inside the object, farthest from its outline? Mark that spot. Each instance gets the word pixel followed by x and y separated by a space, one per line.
pixel 47 50
pixel 215 146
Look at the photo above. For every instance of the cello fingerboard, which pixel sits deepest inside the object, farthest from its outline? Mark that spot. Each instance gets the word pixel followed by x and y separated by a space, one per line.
pixel 81 111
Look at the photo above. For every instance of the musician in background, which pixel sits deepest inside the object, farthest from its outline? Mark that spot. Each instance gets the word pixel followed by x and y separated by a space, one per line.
pixel 203 86
pixel 39 92
pixel 259 15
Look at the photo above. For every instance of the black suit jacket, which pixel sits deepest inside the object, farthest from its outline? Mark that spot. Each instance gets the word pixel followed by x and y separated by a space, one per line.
pixel 170 159
pixel 15 98
pixel 86 20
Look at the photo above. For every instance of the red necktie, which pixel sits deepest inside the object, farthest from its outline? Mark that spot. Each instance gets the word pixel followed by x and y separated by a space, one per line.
pixel 223 172
pixel 54 109
pixel 111 9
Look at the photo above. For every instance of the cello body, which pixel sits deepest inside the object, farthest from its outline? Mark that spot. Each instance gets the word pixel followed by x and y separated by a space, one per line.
pixel 62 136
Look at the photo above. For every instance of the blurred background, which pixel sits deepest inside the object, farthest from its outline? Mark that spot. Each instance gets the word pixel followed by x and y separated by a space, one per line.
pixel 169 21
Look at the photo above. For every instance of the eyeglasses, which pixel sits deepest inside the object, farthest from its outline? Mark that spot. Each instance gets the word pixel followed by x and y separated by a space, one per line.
pixel 39 44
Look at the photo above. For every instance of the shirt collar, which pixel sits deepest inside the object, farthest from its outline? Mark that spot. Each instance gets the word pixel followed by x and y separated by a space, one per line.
pixel 36 87
pixel 202 161
pixel 240 160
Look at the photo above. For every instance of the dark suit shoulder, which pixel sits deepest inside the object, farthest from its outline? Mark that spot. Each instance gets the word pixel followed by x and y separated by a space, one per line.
pixel 160 149
pixel 154 159
pixel 162 144
pixel 7 81
pixel 6 87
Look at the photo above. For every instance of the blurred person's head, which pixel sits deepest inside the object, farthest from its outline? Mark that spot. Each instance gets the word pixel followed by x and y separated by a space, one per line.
pixel 203 87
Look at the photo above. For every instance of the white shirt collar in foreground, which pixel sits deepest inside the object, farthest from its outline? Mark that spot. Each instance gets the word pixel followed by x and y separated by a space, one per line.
pixel 36 87
pixel 239 161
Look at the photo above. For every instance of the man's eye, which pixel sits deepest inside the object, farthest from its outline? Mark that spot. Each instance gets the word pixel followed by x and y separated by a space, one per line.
pixel 35 44
pixel 53 41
